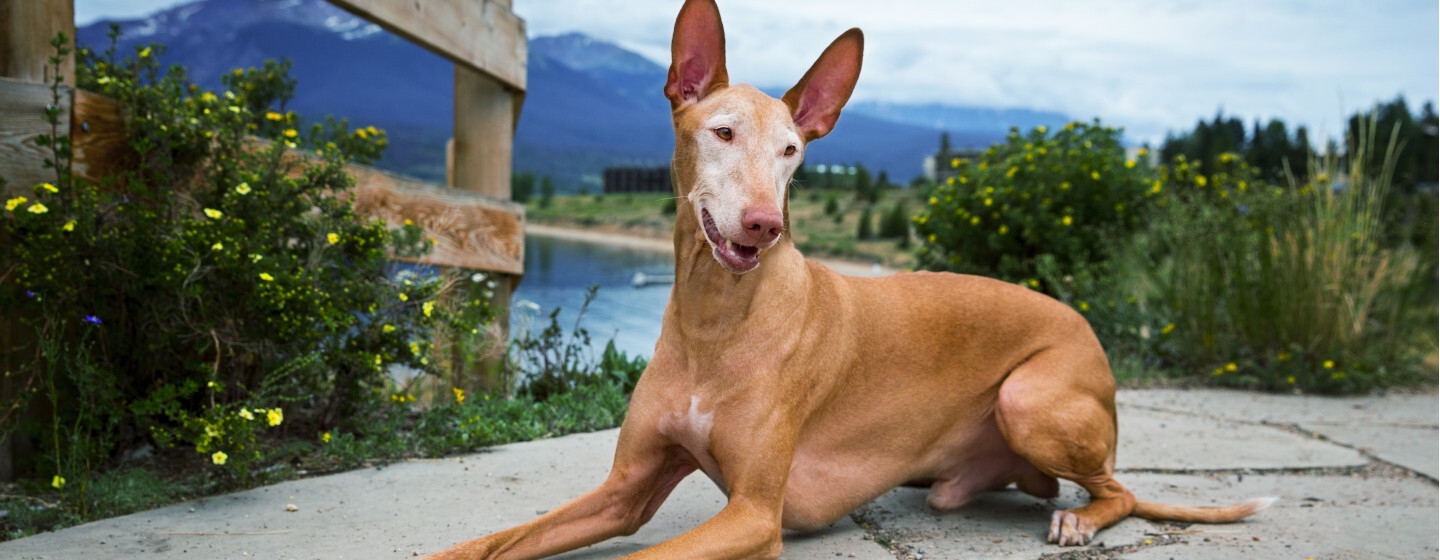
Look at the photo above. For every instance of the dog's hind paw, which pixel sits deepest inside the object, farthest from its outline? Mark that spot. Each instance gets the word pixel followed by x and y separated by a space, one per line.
pixel 1068 529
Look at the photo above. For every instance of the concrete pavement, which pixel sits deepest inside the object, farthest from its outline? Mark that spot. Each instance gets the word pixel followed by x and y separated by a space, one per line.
pixel 1355 477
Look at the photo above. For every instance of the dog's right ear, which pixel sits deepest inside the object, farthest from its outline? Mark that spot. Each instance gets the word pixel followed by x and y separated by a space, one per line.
pixel 697 54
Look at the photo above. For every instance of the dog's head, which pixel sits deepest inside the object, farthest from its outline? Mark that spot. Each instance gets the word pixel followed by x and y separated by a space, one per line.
pixel 737 148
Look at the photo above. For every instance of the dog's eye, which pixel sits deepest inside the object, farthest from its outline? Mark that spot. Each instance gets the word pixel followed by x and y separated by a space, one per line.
pixel 724 133
pixel 789 150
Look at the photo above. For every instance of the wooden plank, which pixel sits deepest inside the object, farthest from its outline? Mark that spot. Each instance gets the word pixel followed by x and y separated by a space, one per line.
pixel 22 120
pixel 471 231
pixel 26 27
pixel 482 35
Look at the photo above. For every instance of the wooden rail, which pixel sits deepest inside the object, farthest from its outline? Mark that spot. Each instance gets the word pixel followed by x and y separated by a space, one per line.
pixel 481 35
pixel 471 231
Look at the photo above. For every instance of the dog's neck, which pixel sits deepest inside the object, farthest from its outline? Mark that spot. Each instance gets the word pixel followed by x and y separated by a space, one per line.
pixel 710 302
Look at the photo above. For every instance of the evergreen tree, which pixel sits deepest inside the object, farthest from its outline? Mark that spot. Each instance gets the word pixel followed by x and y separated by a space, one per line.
pixel 522 186
pixel 547 192
pixel 865 230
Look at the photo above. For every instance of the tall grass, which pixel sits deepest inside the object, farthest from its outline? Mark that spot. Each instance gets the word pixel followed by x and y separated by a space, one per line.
pixel 1274 287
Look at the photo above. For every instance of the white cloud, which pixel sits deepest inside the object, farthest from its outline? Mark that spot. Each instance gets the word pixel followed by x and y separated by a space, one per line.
pixel 1148 67
pixel 91 11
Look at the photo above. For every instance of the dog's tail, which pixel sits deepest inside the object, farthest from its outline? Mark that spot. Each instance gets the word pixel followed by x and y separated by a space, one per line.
pixel 1184 514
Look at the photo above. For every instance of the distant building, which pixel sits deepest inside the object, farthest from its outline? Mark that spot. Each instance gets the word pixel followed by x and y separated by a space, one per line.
pixel 638 179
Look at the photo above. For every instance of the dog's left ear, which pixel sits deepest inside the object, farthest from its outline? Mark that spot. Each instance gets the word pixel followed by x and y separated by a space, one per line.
pixel 816 101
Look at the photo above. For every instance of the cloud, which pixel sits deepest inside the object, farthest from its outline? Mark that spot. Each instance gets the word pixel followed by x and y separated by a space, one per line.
pixel 1152 67
pixel 91 11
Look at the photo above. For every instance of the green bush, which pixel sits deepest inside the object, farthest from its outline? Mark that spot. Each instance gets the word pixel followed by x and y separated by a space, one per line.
pixel 1281 288
pixel 865 228
pixel 217 286
pixel 1039 197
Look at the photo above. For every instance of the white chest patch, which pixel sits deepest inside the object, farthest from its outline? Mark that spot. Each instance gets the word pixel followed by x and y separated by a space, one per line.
pixel 691 429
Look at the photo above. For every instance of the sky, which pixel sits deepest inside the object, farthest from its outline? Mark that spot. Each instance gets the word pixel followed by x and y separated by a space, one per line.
pixel 1151 67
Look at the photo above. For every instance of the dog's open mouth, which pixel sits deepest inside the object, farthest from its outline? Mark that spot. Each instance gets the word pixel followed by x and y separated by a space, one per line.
pixel 735 257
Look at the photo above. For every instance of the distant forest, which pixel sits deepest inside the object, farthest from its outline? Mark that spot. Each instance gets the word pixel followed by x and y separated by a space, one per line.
pixel 1272 149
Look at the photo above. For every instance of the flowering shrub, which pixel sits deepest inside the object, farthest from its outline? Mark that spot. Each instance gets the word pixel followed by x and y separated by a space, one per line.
pixel 218 276
pixel 1037 208
pixel 1286 287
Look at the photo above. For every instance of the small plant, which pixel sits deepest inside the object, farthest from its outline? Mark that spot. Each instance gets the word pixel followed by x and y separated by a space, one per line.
pixel 865 229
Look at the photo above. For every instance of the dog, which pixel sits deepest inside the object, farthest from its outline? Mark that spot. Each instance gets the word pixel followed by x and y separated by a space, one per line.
pixel 804 394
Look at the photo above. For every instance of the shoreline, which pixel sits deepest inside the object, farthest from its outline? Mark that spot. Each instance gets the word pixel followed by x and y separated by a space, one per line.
pixel 844 267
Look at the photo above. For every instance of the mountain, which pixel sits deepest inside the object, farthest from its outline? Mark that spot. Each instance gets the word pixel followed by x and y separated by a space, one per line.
pixel 589 104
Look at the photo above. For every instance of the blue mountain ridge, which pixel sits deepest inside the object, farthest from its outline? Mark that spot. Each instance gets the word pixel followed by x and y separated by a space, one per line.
pixel 590 103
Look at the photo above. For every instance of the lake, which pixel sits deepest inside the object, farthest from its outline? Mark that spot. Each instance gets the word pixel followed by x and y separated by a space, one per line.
pixel 557 271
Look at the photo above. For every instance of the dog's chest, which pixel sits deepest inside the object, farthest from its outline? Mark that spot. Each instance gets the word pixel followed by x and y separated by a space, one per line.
pixel 690 428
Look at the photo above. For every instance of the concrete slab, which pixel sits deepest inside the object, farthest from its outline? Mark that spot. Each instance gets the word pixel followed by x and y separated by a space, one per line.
pixel 1386 410
pixel 1417 449
pixel 1401 429
pixel 1316 517
pixel 402 509
pixel 1151 439
pixel 1320 517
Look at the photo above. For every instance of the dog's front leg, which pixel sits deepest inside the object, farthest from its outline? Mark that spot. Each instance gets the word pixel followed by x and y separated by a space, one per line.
pixel 646 469
pixel 755 462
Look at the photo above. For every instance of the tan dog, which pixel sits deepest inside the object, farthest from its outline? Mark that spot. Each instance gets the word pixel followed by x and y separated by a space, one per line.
pixel 804 394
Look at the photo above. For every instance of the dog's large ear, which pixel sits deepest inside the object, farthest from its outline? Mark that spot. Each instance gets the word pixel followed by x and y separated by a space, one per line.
pixel 816 101
pixel 697 54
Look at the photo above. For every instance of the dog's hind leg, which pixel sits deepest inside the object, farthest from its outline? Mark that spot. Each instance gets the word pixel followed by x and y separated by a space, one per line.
pixel 1057 410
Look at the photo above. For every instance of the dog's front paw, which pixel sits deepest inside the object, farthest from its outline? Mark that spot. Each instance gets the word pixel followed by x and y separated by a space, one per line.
pixel 1068 529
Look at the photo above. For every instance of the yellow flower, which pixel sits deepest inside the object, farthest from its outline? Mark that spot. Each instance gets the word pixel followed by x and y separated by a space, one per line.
pixel 955 163
pixel 69 226
pixel 404 297
pixel 47 187
pixel 1142 152
pixel 415 348
pixel 325 437
pixel 37 208
pixel 1095 175
pixel 1231 366
pixel 951 181
pixel 1218 371
pixel 388 329
pixel 1290 379
pixel 975 220
pixel 361 134
pixel 1041 129
pixel 245 413
pixel 459 395
pixel 207 97
pixel 1200 180
pixel 1004 229
pixel 243 188
pixel 1155 187
pixel 145 52
pixel 1283 356
pixel 58 482
pixel 1034 283
pixel 333 238
pixel 290 133
pixel 1065 186
pixel 1129 164
pixel 1084 306
pixel 1067 220
pixel 217 247
pixel 272 115
pixel 219 457
pixel 1011 172
pixel 214 214
pixel 989 201
pixel 1168 329
pixel 934 201
pixel 428 307
pixel 1329 364
pixel 409 222
pixel 932 238
pixel 267 277
pixel 1338 375
pixel 274 416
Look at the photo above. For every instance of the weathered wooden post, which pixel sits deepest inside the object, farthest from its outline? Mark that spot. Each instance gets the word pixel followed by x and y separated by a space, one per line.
pixel 26 27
